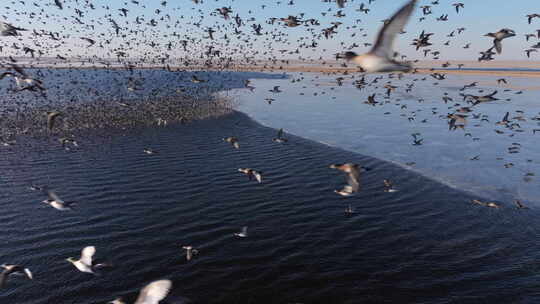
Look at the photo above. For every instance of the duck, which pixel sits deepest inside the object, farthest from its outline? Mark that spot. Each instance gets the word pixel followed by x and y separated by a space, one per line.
pixel 379 59
pixel 353 177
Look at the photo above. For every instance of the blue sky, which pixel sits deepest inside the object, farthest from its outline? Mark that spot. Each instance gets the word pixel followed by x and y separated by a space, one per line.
pixel 478 17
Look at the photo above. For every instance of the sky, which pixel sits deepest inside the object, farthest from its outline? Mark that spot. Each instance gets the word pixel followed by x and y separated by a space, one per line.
pixel 478 17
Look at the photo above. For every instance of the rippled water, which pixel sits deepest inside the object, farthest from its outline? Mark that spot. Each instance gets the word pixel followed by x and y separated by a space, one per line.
pixel 315 107
pixel 424 244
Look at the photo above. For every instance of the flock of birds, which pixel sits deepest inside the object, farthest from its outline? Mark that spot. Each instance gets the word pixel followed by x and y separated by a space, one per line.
pixel 137 41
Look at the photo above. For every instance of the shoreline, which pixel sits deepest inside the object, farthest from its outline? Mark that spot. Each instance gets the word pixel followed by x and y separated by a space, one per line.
pixel 489 69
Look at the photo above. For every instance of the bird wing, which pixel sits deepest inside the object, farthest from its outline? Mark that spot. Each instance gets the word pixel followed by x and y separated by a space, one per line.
pixel 54 197
pixel 258 176
pixel 28 273
pixel 353 179
pixel 280 133
pixel 498 45
pixel 86 255
pixel 154 292
pixel 244 229
pixel 385 40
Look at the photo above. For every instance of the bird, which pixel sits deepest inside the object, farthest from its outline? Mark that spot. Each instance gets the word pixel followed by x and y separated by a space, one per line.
pixel 458 6
pixel 379 59
pixel 152 293
pixel 85 263
pixel 275 90
pixel 388 186
pixel 7 29
pixel 243 233
pixel 190 252
pixel 486 204
pixel 59 4
pixel 10 269
pixel 280 138
pixel 252 174
pixel 499 36
pixel 149 151
pixel 520 205
pixel 353 177
pixel 57 203
pixel 233 141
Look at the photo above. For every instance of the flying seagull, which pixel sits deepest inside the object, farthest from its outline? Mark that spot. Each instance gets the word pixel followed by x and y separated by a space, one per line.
pixel 85 263
pixel 379 59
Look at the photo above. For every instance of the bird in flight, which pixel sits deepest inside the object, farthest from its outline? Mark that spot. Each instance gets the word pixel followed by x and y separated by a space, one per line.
pixel 379 59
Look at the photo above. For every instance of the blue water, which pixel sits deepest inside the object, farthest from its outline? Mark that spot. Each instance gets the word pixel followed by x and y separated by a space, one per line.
pixel 315 107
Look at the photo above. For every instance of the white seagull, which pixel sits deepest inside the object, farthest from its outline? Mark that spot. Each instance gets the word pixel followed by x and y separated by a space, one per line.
pixel 85 263
pixel 152 293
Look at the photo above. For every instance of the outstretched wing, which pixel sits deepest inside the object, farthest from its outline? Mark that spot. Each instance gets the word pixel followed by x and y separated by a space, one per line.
pixel 385 40
pixel 353 179
pixel 54 197
pixel 498 45
pixel 154 292
pixel 280 133
pixel 86 255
